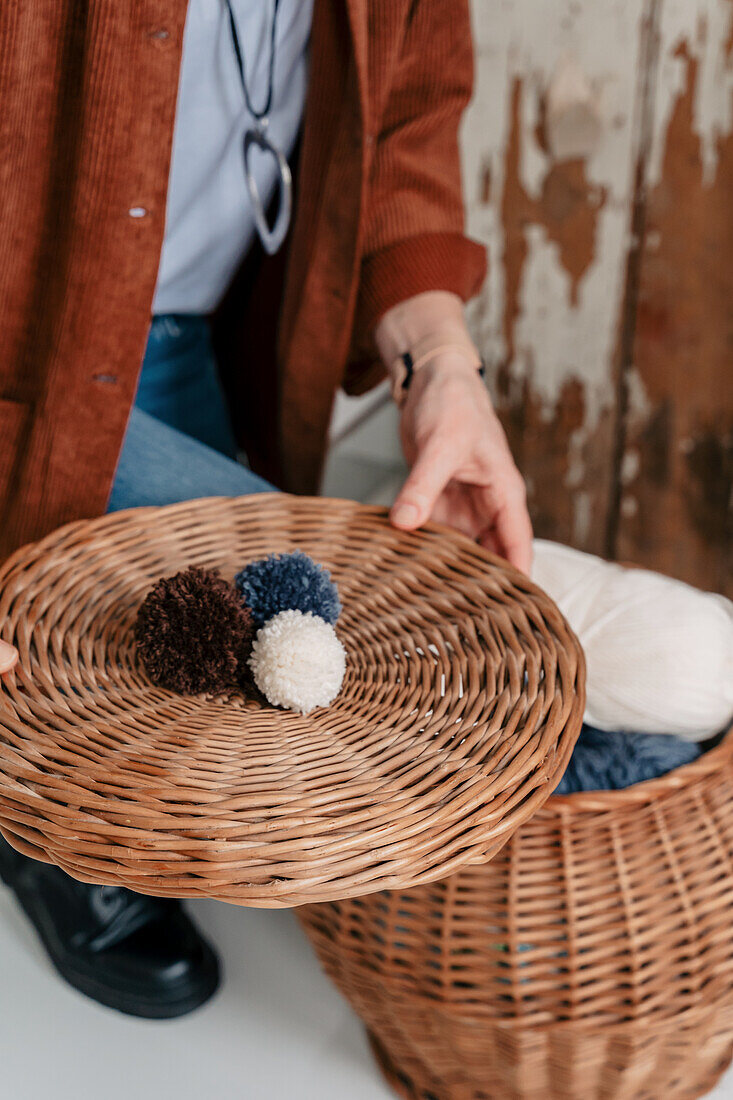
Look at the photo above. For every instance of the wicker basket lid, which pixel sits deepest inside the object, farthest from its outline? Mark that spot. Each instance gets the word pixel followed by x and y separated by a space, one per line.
pixel 462 701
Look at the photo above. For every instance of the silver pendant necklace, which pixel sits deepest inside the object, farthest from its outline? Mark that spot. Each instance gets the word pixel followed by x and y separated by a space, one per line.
pixel 272 236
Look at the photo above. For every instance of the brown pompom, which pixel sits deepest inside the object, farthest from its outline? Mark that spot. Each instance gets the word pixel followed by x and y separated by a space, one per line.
pixel 193 633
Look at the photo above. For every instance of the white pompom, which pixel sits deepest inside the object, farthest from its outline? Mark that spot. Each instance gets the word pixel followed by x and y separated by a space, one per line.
pixel 298 661
pixel 659 653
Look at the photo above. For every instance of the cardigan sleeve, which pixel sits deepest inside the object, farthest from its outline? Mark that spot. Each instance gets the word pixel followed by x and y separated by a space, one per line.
pixel 414 239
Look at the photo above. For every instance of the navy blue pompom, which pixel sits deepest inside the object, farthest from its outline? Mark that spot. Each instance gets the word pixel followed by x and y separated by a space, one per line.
pixel 613 761
pixel 288 582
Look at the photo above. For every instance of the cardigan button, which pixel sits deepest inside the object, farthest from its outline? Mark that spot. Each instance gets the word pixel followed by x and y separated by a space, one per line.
pixel 137 212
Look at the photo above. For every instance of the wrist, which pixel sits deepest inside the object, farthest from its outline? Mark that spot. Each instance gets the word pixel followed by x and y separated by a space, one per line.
pixel 435 317
pixel 452 363
pixel 445 361
pixel 427 332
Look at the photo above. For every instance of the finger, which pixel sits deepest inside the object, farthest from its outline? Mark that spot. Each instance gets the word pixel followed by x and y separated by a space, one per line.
pixel 456 508
pixel 513 529
pixel 8 657
pixel 432 471
pixel 489 540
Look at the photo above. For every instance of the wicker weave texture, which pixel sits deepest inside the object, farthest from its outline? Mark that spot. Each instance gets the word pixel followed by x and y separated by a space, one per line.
pixel 592 959
pixel 461 704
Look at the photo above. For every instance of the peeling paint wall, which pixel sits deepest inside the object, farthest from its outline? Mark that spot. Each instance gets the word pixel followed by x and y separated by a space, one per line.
pixel 556 233
pixel 676 504
pixel 581 271
pixel 701 30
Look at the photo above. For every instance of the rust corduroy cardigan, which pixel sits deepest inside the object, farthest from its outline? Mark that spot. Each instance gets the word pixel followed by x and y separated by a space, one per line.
pixel 87 102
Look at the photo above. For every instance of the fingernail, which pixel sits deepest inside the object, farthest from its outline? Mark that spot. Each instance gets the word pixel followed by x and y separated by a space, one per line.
pixel 405 515
pixel 8 657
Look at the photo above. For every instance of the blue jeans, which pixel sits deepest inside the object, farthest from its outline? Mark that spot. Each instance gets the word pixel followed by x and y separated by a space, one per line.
pixel 179 442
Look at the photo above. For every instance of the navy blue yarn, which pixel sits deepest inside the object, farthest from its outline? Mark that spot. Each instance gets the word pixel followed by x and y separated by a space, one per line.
pixel 613 761
pixel 283 582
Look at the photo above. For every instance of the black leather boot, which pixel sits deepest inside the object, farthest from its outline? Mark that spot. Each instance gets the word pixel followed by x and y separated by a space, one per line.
pixel 140 955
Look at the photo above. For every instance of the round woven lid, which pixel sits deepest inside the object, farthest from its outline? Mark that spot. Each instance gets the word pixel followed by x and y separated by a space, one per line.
pixel 462 701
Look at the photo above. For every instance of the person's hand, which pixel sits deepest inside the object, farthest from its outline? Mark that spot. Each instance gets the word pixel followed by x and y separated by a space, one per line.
pixel 8 658
pixel 462 471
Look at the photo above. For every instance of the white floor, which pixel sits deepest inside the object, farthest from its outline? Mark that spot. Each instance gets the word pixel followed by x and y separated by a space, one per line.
pixel 276 1031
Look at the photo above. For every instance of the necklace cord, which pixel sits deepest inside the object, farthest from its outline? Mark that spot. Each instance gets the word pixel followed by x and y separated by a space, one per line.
pixel 271 236
pixel 239 56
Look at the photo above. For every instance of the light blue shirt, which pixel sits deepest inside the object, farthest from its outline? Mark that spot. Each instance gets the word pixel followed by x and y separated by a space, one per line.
pixel 209 225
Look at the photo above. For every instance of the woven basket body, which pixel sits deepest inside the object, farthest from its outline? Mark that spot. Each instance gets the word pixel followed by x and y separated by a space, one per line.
pixel 591 959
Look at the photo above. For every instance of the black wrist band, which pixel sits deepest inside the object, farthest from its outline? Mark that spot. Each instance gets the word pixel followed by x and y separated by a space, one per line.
pixel 409 364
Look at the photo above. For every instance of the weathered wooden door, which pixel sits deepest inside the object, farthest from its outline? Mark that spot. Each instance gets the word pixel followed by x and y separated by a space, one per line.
pixel 598 159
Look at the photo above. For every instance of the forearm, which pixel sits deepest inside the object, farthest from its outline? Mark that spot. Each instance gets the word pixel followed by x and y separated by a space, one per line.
pixel 422 324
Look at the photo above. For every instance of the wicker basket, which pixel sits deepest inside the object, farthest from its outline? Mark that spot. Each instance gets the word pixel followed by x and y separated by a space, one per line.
pixel 462 701
pixel 592 958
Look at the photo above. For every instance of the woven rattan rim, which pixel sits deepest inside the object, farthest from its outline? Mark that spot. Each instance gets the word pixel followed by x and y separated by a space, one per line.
pixel 461 704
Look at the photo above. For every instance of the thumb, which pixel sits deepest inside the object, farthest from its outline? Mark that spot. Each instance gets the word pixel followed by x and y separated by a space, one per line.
pixel 8 657
pixel 428 478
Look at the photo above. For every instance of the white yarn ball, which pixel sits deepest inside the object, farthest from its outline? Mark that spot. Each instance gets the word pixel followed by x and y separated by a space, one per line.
pixel 298 661
pixel 659 653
